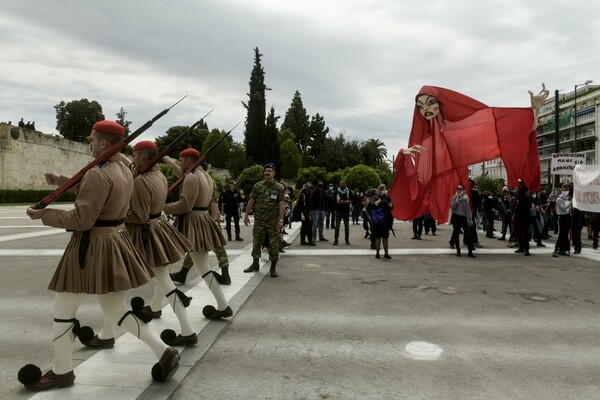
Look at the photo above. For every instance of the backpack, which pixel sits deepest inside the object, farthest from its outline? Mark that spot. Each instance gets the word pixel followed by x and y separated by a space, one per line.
pixel 378 216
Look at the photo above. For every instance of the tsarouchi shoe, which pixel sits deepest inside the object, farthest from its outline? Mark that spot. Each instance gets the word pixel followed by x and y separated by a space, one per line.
pixel 179 340
pixel 50 380
pixel 97 343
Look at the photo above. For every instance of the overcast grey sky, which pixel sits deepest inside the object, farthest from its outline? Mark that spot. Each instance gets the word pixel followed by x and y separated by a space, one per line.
pixel 359 64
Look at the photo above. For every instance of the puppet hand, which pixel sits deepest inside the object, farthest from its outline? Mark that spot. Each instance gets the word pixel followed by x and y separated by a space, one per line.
pixel 538 100
pixel 412 150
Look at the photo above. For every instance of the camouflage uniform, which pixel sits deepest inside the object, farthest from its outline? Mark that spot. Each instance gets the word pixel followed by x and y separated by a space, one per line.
pixel 267 196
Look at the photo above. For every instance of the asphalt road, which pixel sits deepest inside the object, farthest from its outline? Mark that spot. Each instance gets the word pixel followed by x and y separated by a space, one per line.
pixel 339 324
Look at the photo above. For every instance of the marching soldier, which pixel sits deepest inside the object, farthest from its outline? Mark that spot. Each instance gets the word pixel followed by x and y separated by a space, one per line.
pixel 194 222
pixel 99 259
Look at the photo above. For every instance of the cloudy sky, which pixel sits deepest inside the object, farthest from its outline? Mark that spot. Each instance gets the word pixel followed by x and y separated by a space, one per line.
pixel 358 63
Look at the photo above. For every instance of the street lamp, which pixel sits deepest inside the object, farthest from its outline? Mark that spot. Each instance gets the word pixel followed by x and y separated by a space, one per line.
pixel 575 110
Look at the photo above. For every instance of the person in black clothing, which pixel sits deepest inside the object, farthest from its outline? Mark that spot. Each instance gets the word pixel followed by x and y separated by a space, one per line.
pixel 343 200
pixel 417 225
pixel 429 224
pixel 230 207
pixel 330 213
pixel 522 218
pixel 319 202
pixel 506 214
pixel 305 211
pixel 490 208
pixel 476 202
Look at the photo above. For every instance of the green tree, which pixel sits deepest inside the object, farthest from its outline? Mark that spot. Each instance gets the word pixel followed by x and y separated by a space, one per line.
pixel 296 119
pixel 74 120
pixel 271 148
pixel 317 131
pixel 485 183
pixel 373 152
pixel 194 139
pixel 249 177
pixel 362 177
pixel 285 134
pixel 291 161
pixel 310 174
pixel 256 113
pixel 121 120
pixel 219 156
pixel 336 176
pixel 237 159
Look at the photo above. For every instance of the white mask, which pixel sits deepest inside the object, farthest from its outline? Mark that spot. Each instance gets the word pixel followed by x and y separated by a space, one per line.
pixel 489 197
pixel 565 193
pixel 534 195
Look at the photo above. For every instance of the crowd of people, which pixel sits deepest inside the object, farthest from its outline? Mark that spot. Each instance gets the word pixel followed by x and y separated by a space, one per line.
pixel 521 217
pixel 318 209
pixel 28 125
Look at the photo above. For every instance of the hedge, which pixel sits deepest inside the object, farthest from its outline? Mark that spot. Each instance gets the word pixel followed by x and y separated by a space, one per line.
pixel 31 196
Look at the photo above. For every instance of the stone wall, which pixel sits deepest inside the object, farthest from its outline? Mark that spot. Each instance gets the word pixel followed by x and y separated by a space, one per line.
pixel 25 155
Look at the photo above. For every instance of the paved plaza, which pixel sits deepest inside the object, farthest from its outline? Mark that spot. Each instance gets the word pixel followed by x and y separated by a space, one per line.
pixel 336 324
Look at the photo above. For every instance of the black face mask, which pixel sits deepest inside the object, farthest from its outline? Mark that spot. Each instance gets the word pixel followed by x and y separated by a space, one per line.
pixel 320 186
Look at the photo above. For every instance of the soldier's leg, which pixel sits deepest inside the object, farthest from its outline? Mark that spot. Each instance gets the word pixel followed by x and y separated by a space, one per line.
pixel 273 249
pixel 228 225
pixel 65 308
pixel 113 308
pixel 223 278
pixel 200 259
pixel 258 236
pixel 236 223
pixel 177 300
pixel 181 275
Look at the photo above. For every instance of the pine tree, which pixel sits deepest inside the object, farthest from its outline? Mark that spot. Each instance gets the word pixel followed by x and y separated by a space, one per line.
pixel 272 151
pixel 296 119
pixel 318 132
pixel 255 136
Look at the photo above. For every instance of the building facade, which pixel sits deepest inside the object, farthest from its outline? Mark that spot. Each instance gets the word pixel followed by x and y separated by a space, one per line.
pixel 578 128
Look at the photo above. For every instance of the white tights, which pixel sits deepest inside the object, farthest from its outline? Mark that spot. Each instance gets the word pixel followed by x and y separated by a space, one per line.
pixel 113 309
pixel 200 259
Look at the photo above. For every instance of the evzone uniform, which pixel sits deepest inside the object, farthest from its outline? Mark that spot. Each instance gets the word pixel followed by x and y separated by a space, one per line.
pixel 193 220
pixel 99 259
pixel 160 244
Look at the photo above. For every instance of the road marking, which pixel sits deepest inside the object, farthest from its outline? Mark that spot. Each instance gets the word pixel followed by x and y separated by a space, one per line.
pixel 423 351
pixel 24 226
pixel 20 236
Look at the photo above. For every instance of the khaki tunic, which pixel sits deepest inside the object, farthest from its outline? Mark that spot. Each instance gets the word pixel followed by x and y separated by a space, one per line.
pixel 112 263
pixel 165 244
pixel 196 225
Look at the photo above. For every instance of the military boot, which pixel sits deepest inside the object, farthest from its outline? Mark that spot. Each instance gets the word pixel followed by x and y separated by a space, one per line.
pixel 254 267
pixel 272 271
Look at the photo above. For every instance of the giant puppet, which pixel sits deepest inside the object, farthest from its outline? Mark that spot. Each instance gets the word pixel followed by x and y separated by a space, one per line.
pixel 451 131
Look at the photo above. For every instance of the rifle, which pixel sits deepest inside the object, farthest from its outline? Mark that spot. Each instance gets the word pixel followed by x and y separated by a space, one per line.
pixel 108 153
pixel 199 161
pixel 167 149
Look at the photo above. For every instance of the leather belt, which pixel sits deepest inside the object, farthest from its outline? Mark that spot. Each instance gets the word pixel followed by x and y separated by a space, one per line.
pixel 85 237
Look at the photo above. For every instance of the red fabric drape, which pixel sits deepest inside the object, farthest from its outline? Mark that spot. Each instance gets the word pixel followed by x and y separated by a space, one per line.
pixel 466 132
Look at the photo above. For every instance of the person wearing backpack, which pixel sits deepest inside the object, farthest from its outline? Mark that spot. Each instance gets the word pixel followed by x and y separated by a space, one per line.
pixel 381 213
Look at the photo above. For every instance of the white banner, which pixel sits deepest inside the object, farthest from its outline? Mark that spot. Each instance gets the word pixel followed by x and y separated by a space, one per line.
pixel 564 163
pixel 586 187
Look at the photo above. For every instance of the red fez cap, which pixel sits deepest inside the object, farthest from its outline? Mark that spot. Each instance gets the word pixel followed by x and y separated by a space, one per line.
pixel 144 144
pixel 109 127
pixel 189 153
